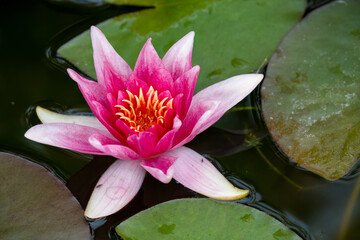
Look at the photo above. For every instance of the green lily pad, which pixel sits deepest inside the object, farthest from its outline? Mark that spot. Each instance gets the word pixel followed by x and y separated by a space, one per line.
pixel 36 205
pixel 202 219
pixel 311 94
pixel 232 36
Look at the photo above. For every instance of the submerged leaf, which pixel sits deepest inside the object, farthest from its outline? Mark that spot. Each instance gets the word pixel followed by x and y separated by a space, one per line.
pixel 311 94
pixel 202 219
pixel 36 205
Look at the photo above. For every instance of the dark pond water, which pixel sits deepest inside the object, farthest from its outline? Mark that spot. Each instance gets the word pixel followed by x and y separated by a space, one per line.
pixel 30 75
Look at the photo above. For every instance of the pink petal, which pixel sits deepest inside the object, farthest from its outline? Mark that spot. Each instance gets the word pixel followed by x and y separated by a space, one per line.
pixel 143 143
pixel 47 116
pixel 184 134
pixel 147 63
pixel 112 102
pixel 107 119
pixel 197 173
pixel 112 147
pixel 111 69
pixel 186 85
pixel 166 141
pixel 92 91
pixel 116 188
pixel 122 127
pixel 161 80
pixel 160 167
pixel 177 60
pixel 135 83
pixel 66 135
pixel 210 104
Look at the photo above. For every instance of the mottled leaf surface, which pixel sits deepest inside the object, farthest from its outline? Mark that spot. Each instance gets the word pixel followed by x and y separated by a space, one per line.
pixel 199 219
pixel 311 94
pixel 34 204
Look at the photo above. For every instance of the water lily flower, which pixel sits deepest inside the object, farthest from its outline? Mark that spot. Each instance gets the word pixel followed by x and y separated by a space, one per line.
pixel 143 118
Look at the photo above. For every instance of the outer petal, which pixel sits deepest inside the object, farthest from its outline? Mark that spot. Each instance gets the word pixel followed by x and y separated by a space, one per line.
pixel 110 68
pixel 66 135
pixel 92 91
pixel 147 63
pixel 160 167
pixel 197 173
pixel 116 188
pixel 47 116
pixel 211 103
pixel 177 60
pixel 112 147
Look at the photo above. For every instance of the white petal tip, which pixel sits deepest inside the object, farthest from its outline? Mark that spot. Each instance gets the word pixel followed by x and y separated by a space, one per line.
pixel 27 135
pixel 95 33
pixel 260 76
pixel 191 34
pixel 72 74
pixel 90 218
pixel 236 195
pixel 94 28
pixel 44 114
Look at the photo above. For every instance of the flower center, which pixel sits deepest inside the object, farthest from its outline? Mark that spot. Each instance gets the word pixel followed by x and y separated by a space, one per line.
pixel 141 111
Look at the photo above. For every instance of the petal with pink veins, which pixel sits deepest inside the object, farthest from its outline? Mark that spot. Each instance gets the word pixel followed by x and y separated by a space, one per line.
pixel 210 104
pixel 110 68
pixel 177 60
pixel 198 174
pixel 115 189
pixel 112 147
pixel 66 135
pixel 47 116
pixel 147 63
pixel 160 167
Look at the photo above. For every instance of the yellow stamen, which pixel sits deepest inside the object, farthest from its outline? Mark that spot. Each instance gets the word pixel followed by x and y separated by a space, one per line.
pixel 142 111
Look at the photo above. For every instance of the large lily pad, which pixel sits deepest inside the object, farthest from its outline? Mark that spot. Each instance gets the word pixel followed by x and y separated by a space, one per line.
pixel 232 36
pixel 36 205
pixel 202 219
pixel 311 94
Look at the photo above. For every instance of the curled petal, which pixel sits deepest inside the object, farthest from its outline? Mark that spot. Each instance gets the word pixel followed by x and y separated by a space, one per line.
pixel 66 135
pixel 112 147
pixel 197 173
pixel 210 104
pixel 111 69
pixel 160 167
pixel 116 188
pixel 47 116
pixel 177 60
